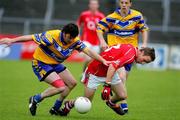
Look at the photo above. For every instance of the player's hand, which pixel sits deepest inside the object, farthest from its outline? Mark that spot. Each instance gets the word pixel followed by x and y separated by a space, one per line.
pixel 144 45
pixel 106 92
pixel 107 63
pixel 6 41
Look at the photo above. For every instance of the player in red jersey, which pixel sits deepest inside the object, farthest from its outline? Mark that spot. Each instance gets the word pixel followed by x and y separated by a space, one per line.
pixel 87 23
pixel 96 73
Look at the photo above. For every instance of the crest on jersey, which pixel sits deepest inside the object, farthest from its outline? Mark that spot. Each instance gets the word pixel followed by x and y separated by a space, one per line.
pixel 59 48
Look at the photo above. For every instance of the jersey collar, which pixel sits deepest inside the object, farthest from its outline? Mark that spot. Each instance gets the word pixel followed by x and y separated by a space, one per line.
pixel 62 39
pixel 119 9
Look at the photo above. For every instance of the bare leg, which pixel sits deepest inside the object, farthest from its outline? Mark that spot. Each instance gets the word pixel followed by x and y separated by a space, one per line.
pixel 120 95
pixel 70 82
pixel 47 93
pixel 52 90
pixel 89 93
pixel 120 92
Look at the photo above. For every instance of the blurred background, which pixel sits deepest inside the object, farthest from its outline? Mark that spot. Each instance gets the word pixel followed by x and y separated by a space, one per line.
pixel 22 17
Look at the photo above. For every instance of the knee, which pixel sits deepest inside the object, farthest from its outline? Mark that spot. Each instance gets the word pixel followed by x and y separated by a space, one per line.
pixel 73 84
pixel 60 89
pixel 59 85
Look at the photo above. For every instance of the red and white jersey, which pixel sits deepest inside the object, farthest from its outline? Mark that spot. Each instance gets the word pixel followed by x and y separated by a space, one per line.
pixel 121 55
pixel 89 21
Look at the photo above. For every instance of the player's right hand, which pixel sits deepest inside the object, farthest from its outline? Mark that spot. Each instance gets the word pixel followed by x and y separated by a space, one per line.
pixel 107 63
pixel 6 41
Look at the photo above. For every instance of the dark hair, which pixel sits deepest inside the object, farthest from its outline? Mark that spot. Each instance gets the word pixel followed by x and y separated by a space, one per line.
pixel 149 52
pixel 72 29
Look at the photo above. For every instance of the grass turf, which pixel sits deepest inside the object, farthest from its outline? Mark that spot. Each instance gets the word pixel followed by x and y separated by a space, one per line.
pixel 152 95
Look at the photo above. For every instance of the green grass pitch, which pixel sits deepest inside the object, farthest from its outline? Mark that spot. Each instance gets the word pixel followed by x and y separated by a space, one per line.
pixel 152 95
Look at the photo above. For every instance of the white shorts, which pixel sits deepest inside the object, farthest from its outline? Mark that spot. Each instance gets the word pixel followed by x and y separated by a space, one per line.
pixel 94 81
pixel 95 48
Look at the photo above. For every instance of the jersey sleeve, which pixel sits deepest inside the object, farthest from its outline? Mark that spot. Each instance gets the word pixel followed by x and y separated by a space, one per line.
pixel 128 58
pixel 80 46
pixel 142 25
pixel 104 24
pixel 43 38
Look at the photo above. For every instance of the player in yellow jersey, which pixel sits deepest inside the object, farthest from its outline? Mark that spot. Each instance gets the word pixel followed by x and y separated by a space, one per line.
pixel 54 47
pixel 123 26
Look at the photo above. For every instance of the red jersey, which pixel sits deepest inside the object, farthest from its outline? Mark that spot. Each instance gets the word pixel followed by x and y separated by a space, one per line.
pixel 89 21
pixel 121 55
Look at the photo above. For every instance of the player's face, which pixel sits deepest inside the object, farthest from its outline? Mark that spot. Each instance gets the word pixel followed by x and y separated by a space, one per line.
pixel 143 59
pixel 93 5
pixel 67 38
pixel 125 5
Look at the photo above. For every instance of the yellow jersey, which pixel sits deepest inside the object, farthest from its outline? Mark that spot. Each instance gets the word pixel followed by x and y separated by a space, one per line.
pixel 52 48
pixel 123 30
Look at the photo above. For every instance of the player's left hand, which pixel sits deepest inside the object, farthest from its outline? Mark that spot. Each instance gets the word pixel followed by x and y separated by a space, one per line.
pixel 105 95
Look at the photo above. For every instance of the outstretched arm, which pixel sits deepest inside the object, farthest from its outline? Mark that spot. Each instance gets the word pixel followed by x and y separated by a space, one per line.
pixel 103 43
pixel 145 38
pixel 94 55
pixel 9 41
pixel 103 27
